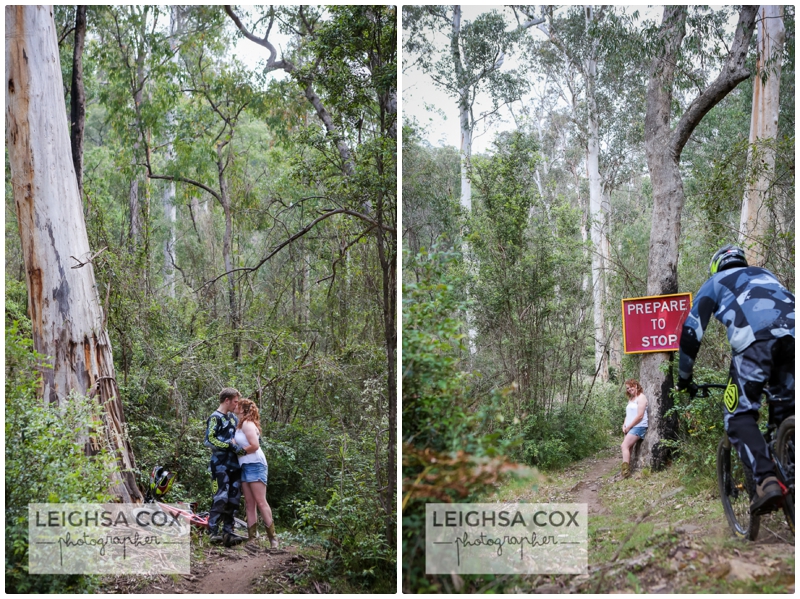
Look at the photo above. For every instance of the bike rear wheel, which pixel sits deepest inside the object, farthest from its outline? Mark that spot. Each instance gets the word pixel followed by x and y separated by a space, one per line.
pixel 784 450
pixel 736 488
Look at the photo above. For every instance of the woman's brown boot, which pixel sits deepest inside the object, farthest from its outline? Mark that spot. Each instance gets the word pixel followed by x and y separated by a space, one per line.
pixel 273 539
pixel 626 470
pixel 252 533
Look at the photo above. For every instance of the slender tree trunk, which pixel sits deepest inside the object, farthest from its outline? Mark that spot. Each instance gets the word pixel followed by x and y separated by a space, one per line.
pixel 78 97
pixel 613 337
pixel 466 153
pixel 134 224
pixel 596 214
pixel 387 256
pixel 227 250
pixel 168 196
pixel 754 222
pixel 663 147
pixel 598 242
pixel 66 317
pixel 463 113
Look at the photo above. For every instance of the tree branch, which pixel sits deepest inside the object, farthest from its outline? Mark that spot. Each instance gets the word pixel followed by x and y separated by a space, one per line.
pixel 295 237
pixel 733 73
pixel 272 63
pixel 184 180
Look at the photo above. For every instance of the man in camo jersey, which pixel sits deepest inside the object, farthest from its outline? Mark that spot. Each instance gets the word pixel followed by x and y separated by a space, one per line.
pixel 225 470
pixel 758 313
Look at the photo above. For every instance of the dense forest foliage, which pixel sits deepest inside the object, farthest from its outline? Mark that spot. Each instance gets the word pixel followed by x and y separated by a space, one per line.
pixel 242 219
pixel 500 329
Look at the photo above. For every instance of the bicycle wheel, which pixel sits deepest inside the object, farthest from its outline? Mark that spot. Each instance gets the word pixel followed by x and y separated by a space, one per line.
pixel 736 487
pixel 784 450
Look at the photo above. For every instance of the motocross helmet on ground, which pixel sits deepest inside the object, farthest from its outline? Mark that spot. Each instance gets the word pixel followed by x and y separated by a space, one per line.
pixel 161 481
pixel 726 257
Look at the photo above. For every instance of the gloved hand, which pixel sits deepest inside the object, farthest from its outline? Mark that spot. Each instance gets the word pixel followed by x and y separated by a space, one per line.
pixel 687 385
pixel 239 451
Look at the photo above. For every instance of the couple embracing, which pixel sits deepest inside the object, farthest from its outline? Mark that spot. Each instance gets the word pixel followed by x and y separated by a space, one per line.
pixel 238 464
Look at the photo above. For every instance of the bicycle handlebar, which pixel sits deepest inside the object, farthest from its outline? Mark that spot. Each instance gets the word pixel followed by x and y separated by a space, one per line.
pixel 706 386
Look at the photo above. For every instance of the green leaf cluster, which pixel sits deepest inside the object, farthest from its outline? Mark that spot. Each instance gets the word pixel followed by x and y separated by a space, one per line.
pixel 45 462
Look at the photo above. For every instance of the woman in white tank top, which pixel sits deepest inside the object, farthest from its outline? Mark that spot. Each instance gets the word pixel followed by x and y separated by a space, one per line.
pixel 254 470
pixel 635 425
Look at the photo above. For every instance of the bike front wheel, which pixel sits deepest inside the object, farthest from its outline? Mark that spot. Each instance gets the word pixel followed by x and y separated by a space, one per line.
pixel 784 449
pixel 736 489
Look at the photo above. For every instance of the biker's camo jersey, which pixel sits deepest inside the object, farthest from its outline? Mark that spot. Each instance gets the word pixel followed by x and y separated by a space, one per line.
pixel 749 301
pixel 220 430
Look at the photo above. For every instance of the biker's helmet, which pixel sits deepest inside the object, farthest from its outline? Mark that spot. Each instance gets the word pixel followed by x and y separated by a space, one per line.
pixel 725 257
pixel 161 481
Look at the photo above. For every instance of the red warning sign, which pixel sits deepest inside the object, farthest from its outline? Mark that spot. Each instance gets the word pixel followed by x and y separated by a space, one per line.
pixel 654 323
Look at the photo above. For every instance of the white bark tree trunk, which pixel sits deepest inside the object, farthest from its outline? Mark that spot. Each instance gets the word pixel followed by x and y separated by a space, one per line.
pixel 597 224
pixel 755 220
pixel 596 212
pixel 227 246
pixel 63 302
pixel 168 197
pixel 466 156
pixel 465 125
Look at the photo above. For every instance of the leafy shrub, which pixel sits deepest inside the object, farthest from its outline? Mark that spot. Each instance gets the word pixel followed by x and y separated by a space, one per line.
pixel 45 463
pixel 700 428
pixel 298 466
pixel 568 432
pixel 349 528
pixel 453 447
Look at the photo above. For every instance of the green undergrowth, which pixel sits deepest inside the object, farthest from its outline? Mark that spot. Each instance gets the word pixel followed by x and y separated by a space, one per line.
pixel 307 572
pixel 669 534
pixel 658 532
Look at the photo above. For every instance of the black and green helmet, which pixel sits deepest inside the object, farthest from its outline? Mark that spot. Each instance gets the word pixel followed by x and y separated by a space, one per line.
pixel 726 257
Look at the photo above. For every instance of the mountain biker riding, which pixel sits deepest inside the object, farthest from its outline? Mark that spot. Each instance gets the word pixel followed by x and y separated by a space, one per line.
pixel 758 313
pixel 225 470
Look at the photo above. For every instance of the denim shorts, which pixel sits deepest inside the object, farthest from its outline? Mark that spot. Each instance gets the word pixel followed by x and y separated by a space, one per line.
pixel 639 431
pixel 254 472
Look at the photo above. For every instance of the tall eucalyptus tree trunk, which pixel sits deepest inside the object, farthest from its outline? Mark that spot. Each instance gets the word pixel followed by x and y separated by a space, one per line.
pixel 168 195
pixel 663 146
pixel 596 212
pixel 77 96
pixel 63 303
pixel 227 244
pixel 465 126
pixel 755 217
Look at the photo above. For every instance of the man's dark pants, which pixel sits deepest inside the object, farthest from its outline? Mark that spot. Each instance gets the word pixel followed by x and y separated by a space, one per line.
pixel 767 363
pixel 226 483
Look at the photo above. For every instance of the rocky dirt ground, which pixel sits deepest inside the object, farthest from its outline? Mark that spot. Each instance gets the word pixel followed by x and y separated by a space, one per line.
pixel 228 571
pixel 650 534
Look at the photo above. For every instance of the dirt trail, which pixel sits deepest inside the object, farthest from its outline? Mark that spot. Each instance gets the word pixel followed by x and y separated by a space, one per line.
pixel 676 540
pixel 231 571
pixel 235 571
pixel 587 490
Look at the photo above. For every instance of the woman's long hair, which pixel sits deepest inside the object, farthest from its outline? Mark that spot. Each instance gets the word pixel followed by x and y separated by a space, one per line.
pixel 249 412
pixel 631 382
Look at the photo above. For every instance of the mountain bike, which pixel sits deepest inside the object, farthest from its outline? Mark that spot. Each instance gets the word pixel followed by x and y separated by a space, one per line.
pixel 159 485
pixel 737 487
